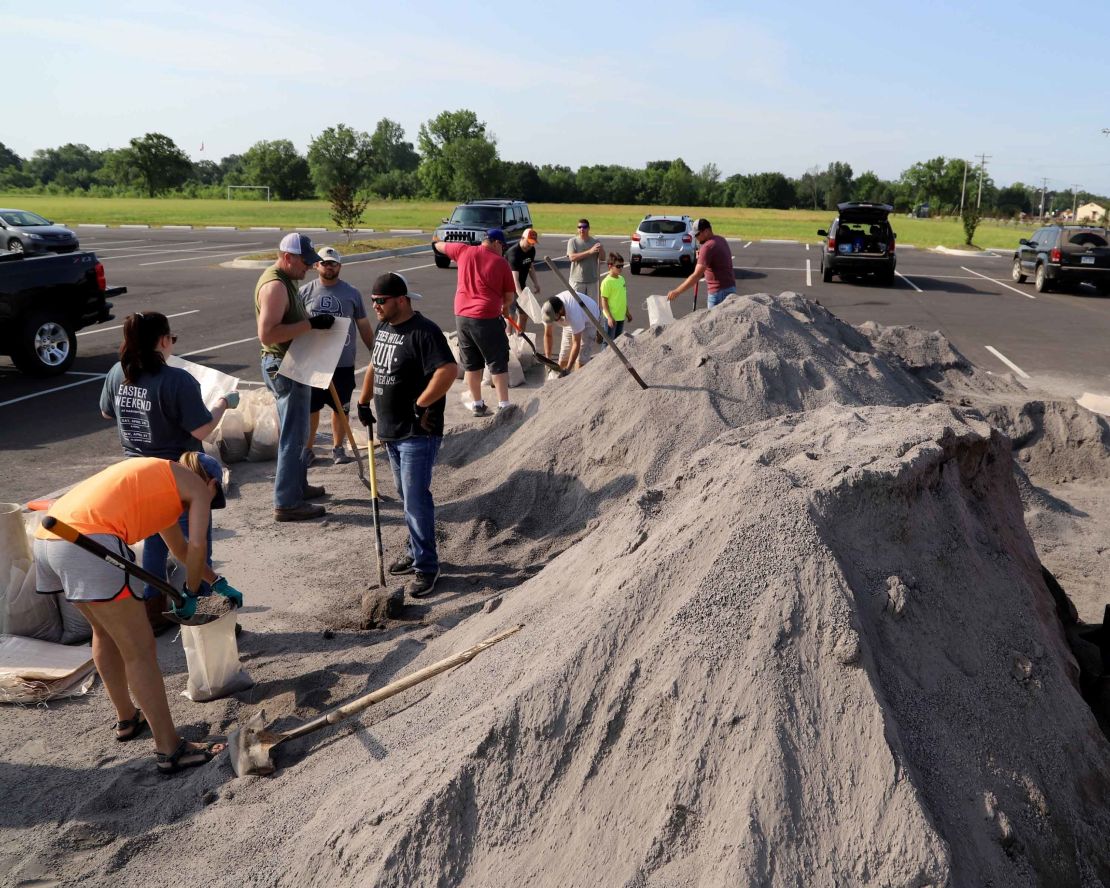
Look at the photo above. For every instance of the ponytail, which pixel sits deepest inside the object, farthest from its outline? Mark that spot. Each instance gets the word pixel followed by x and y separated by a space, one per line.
pixel 139 349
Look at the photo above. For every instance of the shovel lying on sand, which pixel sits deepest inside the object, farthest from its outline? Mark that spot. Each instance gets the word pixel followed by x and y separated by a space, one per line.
pixel 372 486
pixel 209 608
pixel 543 359
pixel 251 746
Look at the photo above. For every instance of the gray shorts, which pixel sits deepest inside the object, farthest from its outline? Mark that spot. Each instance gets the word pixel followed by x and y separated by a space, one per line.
pixel 483 341
pixel 589 288
pixel 65 567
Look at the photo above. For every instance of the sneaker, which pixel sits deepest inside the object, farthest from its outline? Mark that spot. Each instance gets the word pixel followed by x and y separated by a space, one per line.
pixel 313 459
pixel 339 456
pixel 505 408
pixel 422 584
pixel 402 565
pixel 303 512
pixel 478 408
pixel 313 491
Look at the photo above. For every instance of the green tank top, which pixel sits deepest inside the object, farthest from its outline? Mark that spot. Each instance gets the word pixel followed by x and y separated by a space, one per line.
pixel 294 310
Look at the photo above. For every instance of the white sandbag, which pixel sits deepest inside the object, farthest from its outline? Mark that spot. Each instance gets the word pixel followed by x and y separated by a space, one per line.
pixel 659 311
pixel 26 613
pixel 33 671
pixel 453 344
pixel 75 628
pixel 231 438
pixel 264 440
pixel 519 347
pixel 254 404
pixel 516 372
pixel 213 659
pixel 527 301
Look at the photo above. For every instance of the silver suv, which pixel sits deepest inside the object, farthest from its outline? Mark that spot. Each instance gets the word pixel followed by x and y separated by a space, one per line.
pixel 664 240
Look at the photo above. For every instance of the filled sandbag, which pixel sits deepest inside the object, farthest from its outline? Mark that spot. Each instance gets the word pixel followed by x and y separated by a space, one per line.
pixel 264 440
pixel 453 344
pixel 516 372
pixel 75 628
pixel 231 439
pixel 519 347
pixel 212 656
pixel 26 613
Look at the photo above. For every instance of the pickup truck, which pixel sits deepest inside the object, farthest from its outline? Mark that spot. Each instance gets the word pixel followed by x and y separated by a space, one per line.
pixel 44 301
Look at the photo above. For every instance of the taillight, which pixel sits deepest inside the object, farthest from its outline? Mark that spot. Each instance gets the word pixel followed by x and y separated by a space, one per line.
pixel 686 239
pixel 636 236
pixel 832 244
pixel 101 280
pixel 1054 255
pixel 892 245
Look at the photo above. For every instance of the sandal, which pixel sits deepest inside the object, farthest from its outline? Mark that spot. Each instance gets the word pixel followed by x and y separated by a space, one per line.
pixel 188 756
pixel 132 727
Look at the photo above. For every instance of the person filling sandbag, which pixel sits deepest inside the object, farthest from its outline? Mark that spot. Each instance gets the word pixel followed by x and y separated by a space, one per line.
pixel 159 411
pixel 117 507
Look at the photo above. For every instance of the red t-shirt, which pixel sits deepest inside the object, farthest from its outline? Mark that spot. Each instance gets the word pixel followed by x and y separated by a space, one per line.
pixel 716 256
pixel 484 279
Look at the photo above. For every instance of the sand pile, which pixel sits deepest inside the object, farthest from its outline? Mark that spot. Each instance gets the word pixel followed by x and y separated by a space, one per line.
pixel 784 626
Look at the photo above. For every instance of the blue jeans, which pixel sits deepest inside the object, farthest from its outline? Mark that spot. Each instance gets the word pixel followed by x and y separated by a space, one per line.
pixel 411 460
pixel 155 553
pixel 292 409
pixel 615 329
pixel 717 298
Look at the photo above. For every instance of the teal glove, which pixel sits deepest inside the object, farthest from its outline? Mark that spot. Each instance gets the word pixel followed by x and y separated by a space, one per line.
pixel 224 588
pixel 187 609
pixel 232 399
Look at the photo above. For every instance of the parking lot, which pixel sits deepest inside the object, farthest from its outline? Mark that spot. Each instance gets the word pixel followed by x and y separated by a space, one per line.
pixel 52 433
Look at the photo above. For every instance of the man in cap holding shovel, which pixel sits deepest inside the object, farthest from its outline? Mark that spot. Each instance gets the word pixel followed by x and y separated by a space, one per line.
pixel 409 377
pixel 714 263
pixel 281 318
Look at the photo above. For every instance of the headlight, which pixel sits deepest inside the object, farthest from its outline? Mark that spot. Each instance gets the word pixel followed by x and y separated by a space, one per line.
pixel 34 236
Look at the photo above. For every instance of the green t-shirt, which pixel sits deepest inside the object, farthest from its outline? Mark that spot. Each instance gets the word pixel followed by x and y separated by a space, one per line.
pixel 294 310
pixel 614 291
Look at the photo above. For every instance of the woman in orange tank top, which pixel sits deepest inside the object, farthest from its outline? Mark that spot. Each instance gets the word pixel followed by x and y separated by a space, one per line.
pixel 119 506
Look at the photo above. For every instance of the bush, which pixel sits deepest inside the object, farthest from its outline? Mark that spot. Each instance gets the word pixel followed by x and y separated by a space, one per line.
pixel 970 219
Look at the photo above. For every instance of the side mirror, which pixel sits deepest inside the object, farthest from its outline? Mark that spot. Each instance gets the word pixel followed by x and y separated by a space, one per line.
pixel 822 232
pixel 445 221
pixel 1024 242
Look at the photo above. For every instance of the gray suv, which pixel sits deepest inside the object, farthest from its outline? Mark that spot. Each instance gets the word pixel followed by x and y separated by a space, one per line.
pixel 470 221
pixel 664 240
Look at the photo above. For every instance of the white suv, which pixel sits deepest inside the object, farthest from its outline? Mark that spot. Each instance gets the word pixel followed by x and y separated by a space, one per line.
pixel 664 240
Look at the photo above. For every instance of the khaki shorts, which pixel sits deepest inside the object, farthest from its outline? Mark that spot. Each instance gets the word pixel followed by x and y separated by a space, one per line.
pixel 588 344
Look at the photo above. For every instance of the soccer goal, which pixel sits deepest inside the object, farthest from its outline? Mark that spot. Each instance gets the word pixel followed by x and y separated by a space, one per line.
pixel 265 188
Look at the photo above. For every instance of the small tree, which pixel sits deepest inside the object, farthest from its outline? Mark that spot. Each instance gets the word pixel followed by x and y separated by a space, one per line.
pixel 970 218
pixel 347 207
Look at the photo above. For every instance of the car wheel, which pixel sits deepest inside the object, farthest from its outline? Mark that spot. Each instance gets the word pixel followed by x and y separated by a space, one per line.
pixel 46 345
pixel 15 245
pixel 826 274
pixel 441 260
pixel 1040 280
pixel 1015 273
pixel 634 266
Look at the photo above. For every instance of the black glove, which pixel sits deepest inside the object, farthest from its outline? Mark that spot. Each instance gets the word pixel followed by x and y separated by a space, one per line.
pixel 365 416
pixel 321 322
pixel 423 417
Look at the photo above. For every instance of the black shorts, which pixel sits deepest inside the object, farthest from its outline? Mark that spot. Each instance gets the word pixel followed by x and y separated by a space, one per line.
pixel 344 379
pixel 482 341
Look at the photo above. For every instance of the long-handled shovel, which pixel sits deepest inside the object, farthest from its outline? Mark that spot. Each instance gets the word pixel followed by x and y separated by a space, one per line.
pixel 543 359
pixel 251 746
pixel 600 327
pixel 215 606
pixel 372 486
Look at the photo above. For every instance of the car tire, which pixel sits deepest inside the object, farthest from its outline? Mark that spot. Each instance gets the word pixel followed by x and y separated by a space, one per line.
pixel 45 345
pixel 441 260
pixel 634 266
pixel 1015 273
pixel 15 245
pixel 1040 280
pixel 826 274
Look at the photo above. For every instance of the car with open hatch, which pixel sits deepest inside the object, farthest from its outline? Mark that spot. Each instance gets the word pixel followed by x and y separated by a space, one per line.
pixel 859 243
pixel 1063 257
pixel 22 231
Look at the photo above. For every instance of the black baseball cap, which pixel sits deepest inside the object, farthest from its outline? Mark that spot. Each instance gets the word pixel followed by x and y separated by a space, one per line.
pixel 702 224
pixel 393 284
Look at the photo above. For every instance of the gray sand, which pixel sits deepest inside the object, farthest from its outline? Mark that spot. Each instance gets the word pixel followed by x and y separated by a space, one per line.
pixel 784 625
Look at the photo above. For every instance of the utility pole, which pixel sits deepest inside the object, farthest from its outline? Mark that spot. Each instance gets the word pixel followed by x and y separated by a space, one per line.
pixel 1044 188
pixel 983 158
pixel 1074 200
pixel 963 190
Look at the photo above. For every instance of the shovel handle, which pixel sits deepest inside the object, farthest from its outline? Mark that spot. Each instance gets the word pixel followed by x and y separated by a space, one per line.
pixel 543 359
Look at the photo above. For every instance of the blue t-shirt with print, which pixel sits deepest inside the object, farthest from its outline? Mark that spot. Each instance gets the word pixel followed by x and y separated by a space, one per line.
pixel 157 413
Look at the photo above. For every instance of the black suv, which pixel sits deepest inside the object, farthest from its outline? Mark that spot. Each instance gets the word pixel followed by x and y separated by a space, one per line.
pixel 470 222
pixel 1064 256
pixel 859 242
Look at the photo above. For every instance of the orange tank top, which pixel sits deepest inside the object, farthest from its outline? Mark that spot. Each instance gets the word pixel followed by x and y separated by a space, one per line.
pixel 133 499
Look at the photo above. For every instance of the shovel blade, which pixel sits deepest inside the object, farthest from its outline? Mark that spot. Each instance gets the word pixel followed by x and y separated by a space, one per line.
pixel 250 747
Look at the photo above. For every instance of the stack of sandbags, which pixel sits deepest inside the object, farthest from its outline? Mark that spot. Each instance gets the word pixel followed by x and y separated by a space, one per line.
pixel 516 372
pixel 522 350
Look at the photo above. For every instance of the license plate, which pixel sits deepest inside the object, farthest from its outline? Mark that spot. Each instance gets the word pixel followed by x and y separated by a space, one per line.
pixel 1087 260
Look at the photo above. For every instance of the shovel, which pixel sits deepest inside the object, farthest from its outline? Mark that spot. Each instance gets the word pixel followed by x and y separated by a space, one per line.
pixel 543 359
pixel 72 535
pixel 251 746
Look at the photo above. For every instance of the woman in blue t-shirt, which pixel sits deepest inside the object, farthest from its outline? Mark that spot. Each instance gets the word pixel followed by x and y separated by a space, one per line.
pixel 159 412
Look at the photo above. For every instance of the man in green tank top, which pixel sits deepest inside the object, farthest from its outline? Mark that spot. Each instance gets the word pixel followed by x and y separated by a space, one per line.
pixel 281 318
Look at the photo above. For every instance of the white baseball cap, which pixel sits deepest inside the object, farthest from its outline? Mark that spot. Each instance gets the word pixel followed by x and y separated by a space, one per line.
pixel 330 254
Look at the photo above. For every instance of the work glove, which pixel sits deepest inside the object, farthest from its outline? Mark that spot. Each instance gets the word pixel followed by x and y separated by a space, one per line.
pixel 224 588
pixel 365 416
pixel 232 399
pixel 188 608
pixel 423 417
pixel 321 322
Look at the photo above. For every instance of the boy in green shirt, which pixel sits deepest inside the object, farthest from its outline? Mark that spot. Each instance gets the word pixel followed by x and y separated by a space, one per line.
pixel 614 296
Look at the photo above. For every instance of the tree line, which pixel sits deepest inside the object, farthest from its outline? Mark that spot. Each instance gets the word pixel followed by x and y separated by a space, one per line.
pixel 455 157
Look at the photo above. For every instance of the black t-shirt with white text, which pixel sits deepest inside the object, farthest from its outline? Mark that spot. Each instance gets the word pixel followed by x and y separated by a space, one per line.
pixel 405 357
pixel 520 260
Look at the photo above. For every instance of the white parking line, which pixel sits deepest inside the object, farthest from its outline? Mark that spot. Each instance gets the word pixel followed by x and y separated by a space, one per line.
pixel 807 248
pixel 380 259
pixel 120 326
pixel 1007 286
pixel 748 244
pixel 58 388
pixel 151 251
pixel 211 348
pixel 96 245
pixel 415 267
pixel 1007 362
pixel 809 274
pixel 908 281
pixel 195 258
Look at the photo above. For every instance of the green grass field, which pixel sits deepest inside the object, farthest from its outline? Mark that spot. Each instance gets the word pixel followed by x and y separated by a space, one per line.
pixel 751 224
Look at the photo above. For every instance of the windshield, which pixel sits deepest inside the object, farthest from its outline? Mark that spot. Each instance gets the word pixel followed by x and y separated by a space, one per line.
pixel 482 217
pixel 663 226
pixel 22 217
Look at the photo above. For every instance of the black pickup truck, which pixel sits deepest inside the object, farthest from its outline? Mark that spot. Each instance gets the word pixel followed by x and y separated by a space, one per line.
pixel 44 301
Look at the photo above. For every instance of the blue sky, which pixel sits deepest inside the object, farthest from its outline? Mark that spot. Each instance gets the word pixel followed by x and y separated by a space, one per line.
pixel 748 86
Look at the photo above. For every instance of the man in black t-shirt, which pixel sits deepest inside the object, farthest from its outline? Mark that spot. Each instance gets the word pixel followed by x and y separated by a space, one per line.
pixel 521 257
pixel 409 376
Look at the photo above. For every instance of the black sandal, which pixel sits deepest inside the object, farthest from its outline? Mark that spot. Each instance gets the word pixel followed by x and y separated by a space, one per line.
pixel 185 756
pixel 132 727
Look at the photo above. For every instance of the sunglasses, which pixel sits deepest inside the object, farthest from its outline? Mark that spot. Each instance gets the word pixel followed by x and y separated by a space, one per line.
pixel 583 227
pixel 330 263
pixel 618 265
pixel 173 337
pixel 382 300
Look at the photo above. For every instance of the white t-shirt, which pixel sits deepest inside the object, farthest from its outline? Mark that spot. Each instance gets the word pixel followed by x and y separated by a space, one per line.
pixel 576 318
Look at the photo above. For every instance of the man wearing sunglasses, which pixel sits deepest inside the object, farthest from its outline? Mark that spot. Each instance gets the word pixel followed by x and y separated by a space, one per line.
pixel 409 377
pixel 714 264
pixel 586 255
pixel 329 295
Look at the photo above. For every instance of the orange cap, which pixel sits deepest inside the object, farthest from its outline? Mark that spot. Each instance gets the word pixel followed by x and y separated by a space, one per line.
pixel 530 235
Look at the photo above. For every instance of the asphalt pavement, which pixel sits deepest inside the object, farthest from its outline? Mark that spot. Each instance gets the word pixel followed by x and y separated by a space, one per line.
pixel 52 433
